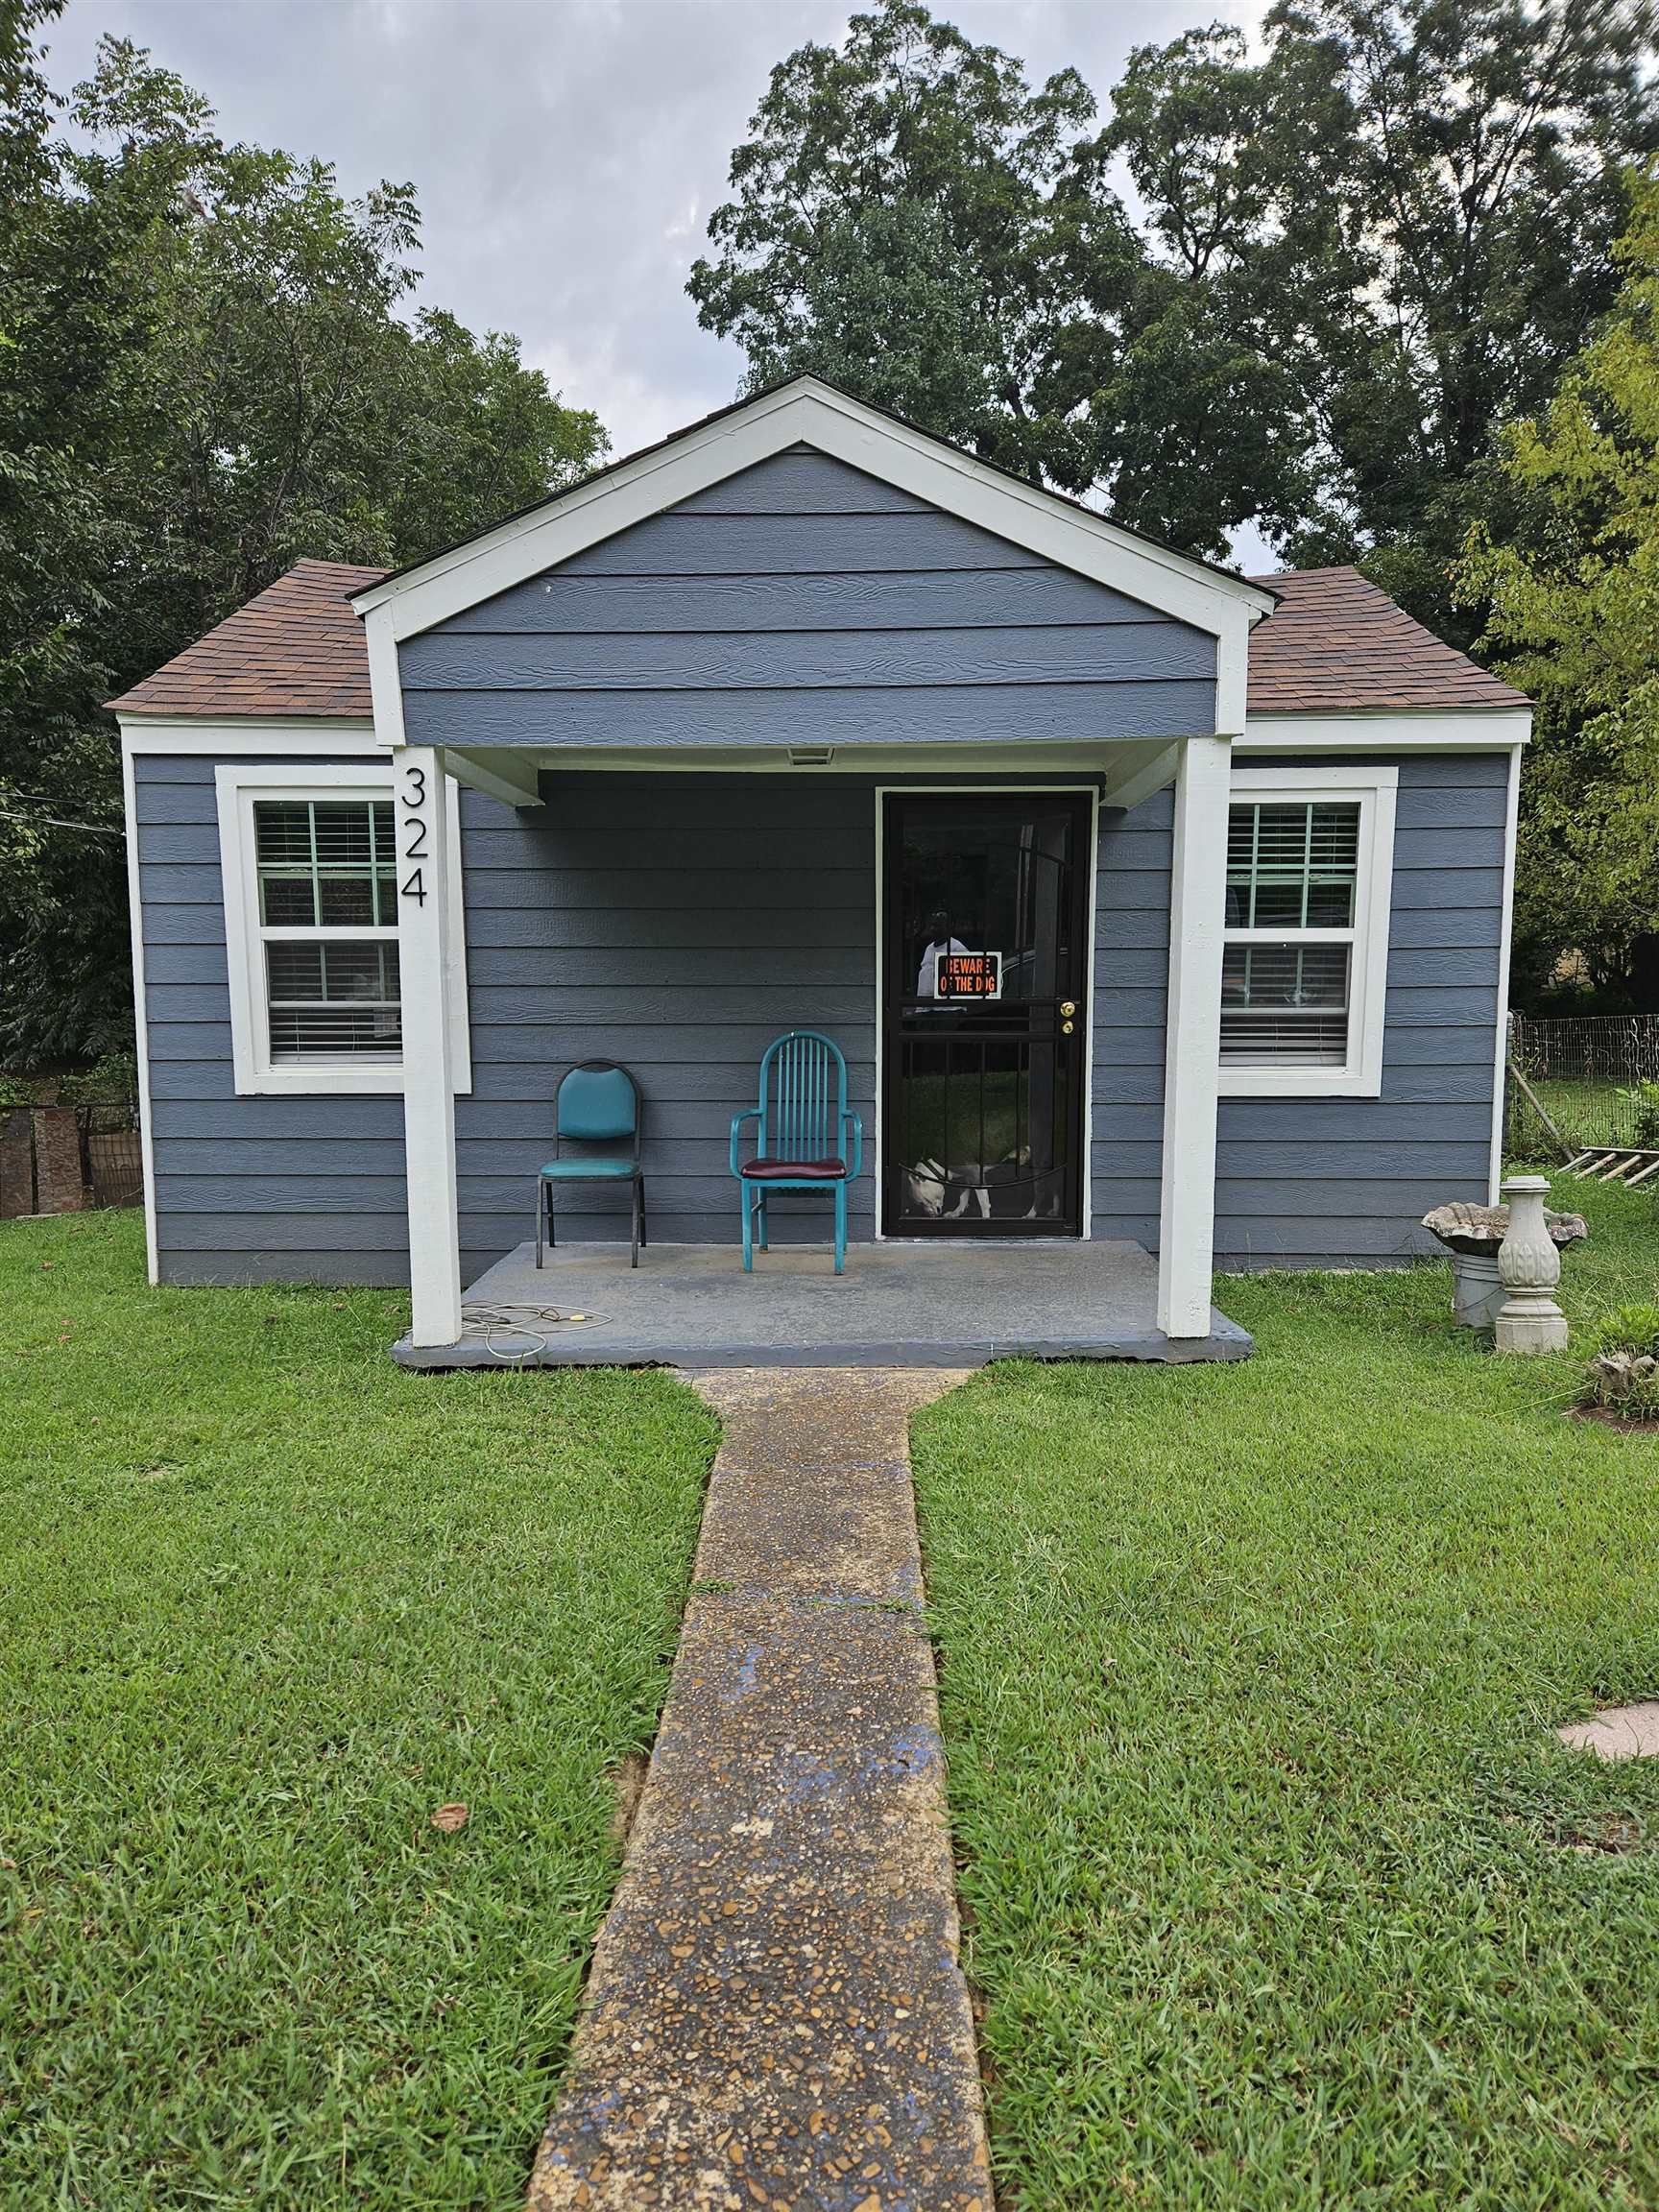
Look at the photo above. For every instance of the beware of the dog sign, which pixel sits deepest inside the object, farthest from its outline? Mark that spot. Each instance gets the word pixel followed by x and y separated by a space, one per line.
pixel 967 975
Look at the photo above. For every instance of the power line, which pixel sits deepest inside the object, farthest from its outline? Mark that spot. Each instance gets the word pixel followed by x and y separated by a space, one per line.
pixel 57 821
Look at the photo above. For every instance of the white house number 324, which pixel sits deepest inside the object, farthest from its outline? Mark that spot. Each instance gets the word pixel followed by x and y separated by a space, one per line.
pixel 417 831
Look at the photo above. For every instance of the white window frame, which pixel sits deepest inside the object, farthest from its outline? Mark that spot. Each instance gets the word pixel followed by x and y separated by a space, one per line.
pixel 240 785
pixel 1360 1074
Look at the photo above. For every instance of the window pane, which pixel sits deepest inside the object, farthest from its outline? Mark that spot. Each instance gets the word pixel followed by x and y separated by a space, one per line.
pixel 283 833
pixel 1284 1005
pixel 324 861
pixel 346 902
pixel 333 999
pixel 1292 865
pixel 288 901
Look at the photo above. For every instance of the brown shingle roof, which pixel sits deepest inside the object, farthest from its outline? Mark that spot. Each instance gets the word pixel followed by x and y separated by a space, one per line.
pixel 296 649
pixel 1337 644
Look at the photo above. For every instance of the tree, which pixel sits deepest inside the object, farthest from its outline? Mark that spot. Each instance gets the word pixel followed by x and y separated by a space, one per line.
pixel 1410 203
pixel 893 202
pixel 1359 253
pixel 207 368
pixel 1571 593
pixel 914 221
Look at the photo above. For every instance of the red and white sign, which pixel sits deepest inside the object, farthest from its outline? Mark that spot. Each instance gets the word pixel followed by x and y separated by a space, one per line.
pixel 967 975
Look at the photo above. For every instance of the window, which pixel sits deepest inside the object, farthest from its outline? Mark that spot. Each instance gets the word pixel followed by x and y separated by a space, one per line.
pixel 1304 965
pixel 311 928
pixel 329 922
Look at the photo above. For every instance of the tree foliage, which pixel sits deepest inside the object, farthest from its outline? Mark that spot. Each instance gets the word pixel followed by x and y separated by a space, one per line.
pixel 917 222
pixel 209 365
pixel 1570 584
pixel 1353 256
pixel 1424 232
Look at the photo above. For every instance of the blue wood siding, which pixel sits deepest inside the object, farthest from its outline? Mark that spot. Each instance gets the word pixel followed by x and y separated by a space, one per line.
pixel 1131 992
pixel 1316 1181
pixel 805 603
pixel 247 1190
pixel 676 924
pixel 1305 1182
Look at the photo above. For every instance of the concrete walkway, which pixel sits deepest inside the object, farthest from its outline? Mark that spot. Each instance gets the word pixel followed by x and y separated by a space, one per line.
pixel 775 2015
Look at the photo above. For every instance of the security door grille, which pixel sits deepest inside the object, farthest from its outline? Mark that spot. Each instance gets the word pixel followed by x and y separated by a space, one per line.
pixel 985 1007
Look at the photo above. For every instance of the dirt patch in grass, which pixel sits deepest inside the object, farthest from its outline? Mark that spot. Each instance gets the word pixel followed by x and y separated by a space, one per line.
pixel 1605 1417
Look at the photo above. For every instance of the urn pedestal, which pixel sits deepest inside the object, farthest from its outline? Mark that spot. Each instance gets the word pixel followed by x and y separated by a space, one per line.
pixel 1530 1268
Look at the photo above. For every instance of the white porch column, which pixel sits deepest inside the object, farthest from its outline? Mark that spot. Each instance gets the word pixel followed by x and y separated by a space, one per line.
pixel 1197 914
pixel 422 803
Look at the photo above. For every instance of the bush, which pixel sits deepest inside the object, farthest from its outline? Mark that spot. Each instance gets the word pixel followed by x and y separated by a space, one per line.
pixel 112 1081
pixel 1641 1102
pixel 1624 1376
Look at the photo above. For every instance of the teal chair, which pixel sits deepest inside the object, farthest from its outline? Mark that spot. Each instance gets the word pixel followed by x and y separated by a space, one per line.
pixel 801 1142
pixel 598 1103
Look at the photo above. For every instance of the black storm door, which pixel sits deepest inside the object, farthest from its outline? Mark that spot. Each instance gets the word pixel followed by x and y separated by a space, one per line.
pixel 984 1007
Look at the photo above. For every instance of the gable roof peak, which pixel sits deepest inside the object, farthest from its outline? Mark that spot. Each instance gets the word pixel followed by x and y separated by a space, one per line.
pixel 807 410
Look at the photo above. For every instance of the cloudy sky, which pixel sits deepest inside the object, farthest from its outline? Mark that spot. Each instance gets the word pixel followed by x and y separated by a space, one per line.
pixel 566 152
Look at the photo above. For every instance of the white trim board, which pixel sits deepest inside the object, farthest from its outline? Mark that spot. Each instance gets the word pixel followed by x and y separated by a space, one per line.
pixel 237 785
pixel 1362 1076
pixel 1461 730
pixel 141 1021
pixel 1505 937
pixel 1191 1035
pixel 299 736
pixel 989 790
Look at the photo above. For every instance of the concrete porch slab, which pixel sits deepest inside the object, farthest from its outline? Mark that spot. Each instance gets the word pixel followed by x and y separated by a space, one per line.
pixel 904 1304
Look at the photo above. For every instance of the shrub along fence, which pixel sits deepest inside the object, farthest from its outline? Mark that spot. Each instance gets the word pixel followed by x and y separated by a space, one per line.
pixel 1581 1081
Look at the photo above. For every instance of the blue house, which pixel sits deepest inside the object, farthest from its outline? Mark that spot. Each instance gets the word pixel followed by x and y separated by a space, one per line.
pixel 1151 906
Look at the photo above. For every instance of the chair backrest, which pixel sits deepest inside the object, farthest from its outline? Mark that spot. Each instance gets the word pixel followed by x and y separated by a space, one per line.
pixel 802 1097
pixel 599 1100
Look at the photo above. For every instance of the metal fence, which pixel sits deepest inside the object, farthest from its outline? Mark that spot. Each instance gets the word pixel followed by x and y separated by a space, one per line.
pixel 1581 1081
pixel 112 1160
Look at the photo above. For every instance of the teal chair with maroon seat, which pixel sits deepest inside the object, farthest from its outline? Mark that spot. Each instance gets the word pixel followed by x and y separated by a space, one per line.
pixel 598 1104
pixel 808 1138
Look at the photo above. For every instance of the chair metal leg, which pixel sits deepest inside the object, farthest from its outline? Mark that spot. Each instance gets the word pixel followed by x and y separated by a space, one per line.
pixel 760 1210
pixel 541 1203
pixel 644 1241
pixel 748 1231
pixel 840 1226
pixel 633 1254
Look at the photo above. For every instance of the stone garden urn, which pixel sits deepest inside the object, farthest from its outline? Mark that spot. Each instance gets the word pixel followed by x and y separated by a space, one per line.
pixel 1474 1235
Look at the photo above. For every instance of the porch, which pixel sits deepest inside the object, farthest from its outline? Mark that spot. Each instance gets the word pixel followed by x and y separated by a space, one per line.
pixel 903 1303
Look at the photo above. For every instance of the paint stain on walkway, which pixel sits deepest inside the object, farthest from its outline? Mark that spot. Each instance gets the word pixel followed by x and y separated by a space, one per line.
pixel 776 2017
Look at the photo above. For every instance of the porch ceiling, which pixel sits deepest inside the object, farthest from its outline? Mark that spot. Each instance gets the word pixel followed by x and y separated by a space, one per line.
pixel 919 1303
pixel 1129 769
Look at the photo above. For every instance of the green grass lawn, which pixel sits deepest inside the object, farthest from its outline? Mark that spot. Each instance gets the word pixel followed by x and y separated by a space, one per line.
pixel 1586 1110
pixel 265 1604
pixel 1280 1892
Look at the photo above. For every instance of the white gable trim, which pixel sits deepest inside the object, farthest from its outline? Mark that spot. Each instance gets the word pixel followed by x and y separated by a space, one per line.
pixel 302 736
pixel 1391 730
pixel 808 412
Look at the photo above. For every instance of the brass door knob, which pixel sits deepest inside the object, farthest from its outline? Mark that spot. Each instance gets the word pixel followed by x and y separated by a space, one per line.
pixel 1066 1028
pixel 1068 1006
